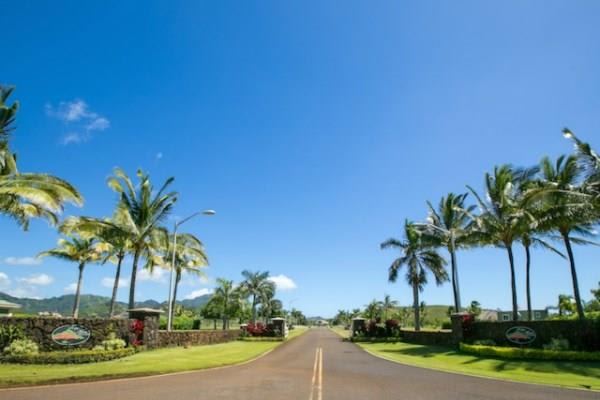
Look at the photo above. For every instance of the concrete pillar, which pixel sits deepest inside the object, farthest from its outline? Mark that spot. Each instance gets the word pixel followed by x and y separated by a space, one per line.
pixel 458 326
pixel 279 324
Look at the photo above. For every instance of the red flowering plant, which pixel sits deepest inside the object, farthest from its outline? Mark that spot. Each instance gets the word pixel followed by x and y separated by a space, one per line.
pixel 137 328
pixel 467 322
pixel 258 329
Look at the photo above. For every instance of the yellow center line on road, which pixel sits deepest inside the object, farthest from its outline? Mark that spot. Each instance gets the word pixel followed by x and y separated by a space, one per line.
pixel 317 377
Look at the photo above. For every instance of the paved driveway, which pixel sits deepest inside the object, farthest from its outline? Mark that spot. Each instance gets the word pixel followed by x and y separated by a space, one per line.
pixel 315 366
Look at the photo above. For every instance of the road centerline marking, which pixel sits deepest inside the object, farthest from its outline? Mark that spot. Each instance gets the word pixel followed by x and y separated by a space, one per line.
pixel 316 384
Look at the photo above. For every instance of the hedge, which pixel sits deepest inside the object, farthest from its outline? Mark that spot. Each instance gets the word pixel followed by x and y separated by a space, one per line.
pixel 515 353
pixel 69 357
pixel 260 339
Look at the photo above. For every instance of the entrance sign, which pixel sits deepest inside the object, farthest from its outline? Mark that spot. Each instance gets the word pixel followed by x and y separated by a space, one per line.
pixel 70 335
pixel 520 335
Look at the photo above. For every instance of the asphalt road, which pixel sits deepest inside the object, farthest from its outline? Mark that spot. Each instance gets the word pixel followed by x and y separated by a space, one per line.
pixel 314 366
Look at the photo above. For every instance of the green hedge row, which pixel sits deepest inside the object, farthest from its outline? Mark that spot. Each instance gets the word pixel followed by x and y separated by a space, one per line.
pixel 531 354
pixel 260 339
pixel 69 357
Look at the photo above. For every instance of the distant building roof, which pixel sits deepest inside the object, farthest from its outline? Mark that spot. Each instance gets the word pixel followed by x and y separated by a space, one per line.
pixel 8 304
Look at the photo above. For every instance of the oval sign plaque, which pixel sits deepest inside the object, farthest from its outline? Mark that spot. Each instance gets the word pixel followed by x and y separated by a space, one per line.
pixel 520 335
pixel 70 335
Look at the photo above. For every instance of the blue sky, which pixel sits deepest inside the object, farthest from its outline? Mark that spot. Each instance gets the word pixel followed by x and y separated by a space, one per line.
pixel 313 128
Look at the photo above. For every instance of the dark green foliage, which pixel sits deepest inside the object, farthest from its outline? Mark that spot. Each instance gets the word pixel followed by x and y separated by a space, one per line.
pixel 529 354
pixel 10 333
pixel 70 357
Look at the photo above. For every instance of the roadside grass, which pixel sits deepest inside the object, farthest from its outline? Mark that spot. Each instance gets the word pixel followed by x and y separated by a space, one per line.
pixel 345 333
pixel 153 362
pixel 582 375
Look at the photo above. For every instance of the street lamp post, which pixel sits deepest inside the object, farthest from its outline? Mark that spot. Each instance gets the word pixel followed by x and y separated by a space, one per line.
pixel 175 227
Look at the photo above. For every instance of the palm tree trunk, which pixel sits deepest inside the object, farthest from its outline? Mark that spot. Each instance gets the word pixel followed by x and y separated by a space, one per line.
pixel 254 309
pixel 136 258
pixel 416 307
pixel 78 291
pixel 576 294
pixel 174 300
pixel 113 298
pixel 527 281
pixel 455 286
pixel 513 283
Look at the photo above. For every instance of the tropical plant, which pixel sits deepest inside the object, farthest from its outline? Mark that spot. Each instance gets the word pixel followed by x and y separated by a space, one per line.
pixel 419 257
pixel 79 250
pixel 566 305
pixel 255 285
pixel 143 210
pixel 567 210
pixel 474 308
pixel 188 257
pixel 225 297
pixel 387 305
pixel 501 220
pixel 373 310
pixel 270 306
pixel 450 223
pixel 27 195
pixel 111 232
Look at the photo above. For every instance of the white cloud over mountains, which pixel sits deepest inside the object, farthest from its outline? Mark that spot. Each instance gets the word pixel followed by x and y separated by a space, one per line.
pixel 37 280
pixel 198 293
pixel 158 275
pixel 108 282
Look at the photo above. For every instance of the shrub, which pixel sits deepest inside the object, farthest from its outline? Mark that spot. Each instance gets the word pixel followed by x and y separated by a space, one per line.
pixel 21 347
pixel 10 333
pixel 484 342
pixel 111 343
pixel 137 327
pixel 558 344
pixel 392 327
pixel 515 353
pixel 69 357
pixel 447 325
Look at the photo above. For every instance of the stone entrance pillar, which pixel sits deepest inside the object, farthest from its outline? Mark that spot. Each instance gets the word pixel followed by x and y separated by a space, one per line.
pixel 150 318
pixel 358 325
pixel 279 323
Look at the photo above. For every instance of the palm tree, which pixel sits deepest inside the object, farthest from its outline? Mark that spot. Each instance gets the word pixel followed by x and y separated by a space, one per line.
pixel 450 224
pixel 27 195
pixel 567 210
pixel 225 296
pixel 501 220
pixel 79 250
pixel 270 306
pixel 113 233
pixel 387 304
pixel 143 211
pixel 189 256
pixel 255 284
pixel 373 310
pixel 420 257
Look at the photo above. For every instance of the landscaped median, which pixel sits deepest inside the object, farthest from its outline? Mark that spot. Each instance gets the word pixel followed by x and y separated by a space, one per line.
pixel 162 361
pixel 574 374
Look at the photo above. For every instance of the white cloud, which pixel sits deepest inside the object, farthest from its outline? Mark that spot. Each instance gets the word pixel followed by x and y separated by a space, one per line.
pixel 22 261
pixel 79 118
pixel 198 293
pixel 108 282
pixel 37 279
pixel 24 292
pixel 159 275
pixel 71 288
pixel 4 280
pixel 283 282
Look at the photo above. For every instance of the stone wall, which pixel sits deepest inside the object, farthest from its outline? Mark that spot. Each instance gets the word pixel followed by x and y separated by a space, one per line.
pixel 40 329
pixel 443 338
pixel 582 335
pixel 195 338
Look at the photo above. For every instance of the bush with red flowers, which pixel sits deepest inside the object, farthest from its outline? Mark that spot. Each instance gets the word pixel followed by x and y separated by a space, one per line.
pixel 137 328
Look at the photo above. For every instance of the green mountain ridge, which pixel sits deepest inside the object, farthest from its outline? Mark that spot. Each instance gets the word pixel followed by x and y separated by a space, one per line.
pixel 90 305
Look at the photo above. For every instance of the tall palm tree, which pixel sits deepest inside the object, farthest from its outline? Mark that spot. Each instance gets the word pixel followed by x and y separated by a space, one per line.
pixel 255 284
pixel 501 220
pixel 27 195
pixel 373 310
pixel 79 250
pixel 420 257
pixel 387 304
pixel 568 211
pixel 143 210
pixel 189 256
pixel 225 296
pixel 450 224
pixel 269 304
pixel 113 234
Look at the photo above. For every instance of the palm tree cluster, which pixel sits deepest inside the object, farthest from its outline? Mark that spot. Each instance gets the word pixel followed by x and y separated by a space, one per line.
pixel 253 297
pixel 555 201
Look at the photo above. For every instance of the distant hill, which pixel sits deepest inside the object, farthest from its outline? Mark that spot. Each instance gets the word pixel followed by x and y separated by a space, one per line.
pixel 90 305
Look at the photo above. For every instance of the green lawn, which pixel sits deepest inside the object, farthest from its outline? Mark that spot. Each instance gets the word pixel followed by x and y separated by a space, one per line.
pixel 561 373
pixel 145 363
